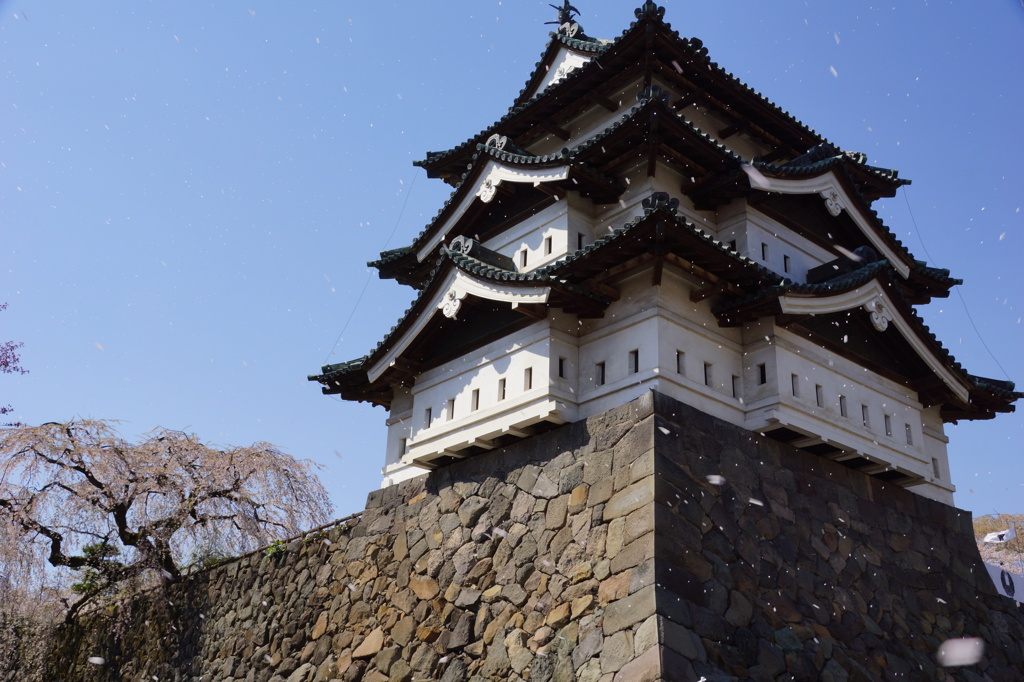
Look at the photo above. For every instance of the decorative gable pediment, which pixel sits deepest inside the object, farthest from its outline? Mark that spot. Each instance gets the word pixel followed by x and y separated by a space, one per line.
pixel 836 198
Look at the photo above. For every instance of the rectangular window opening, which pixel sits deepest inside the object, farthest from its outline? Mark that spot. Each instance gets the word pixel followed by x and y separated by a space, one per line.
pixel 634 361
pixel 528 379
pixel 864 417
pixel 935 467
pixel 762 374
pixel 708 374
pixel 680 363
pixel 522 258
pixel 732 245
pixel 764 251
pixel 842 406
pixel 735 386
pixel 579 241
pixel 561 368
pixel 501 389
pixel 547 246
pixel 449 410
pixel 599 374
pixel 785 263
pixel 475 400
pixel 888 425
pixel 819 395
pixel 428 416
pixel 794 385
pixel 403 446
pixel 910 436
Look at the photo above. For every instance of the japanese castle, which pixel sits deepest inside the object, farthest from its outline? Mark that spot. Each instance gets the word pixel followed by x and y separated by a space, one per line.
pixel 641 220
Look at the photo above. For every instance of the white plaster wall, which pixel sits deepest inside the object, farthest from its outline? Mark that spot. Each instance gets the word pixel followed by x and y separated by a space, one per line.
pixel 564 63
pixel 787 355
pixel 656 323
pixel 750 229
pixel 482 372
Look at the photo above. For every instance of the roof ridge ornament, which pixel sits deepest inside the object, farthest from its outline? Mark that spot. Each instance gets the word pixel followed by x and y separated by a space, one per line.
pixel 650 7
pixel 654 92
pixel 566 25
pixel 504 143
pixel 659 200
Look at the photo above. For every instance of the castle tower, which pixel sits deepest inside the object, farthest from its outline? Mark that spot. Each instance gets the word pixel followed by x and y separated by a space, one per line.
pixel 641 220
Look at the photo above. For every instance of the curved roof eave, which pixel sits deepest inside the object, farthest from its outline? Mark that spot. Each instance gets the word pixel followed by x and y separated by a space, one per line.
pixel 645 16
pixel 829 185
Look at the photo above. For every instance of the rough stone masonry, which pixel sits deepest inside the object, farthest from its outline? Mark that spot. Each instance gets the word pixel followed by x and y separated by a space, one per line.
pixel 652 542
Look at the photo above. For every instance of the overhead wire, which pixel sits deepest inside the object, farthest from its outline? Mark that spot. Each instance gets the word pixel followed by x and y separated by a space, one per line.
pixel 957 289
pixel 369 274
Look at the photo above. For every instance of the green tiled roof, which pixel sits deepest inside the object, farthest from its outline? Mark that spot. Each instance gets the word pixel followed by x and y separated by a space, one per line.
pixel 645 16
pixel 332 372
pixel 657 105
pixel 539 277
pixel 881 269
pixel 565 157
pixel 819 166
pixel 557 275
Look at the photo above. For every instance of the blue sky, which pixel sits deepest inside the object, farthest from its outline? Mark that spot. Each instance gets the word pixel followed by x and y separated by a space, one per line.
pixel 189 192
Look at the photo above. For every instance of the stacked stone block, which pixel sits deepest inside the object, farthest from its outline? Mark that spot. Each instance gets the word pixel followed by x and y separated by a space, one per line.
pixel 650 542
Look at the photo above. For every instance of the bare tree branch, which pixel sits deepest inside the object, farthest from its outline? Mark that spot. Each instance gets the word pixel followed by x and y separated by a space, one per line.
pixel 67 489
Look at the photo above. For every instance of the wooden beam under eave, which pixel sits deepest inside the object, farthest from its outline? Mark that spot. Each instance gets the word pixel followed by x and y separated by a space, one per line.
pixel 631 264
pixel 700 272
pixel 555 130
pixel 649 56
pixel 729 131
pixel 698 295
pixel 537 311
pixel 686 100
pixel 652 159
pixel 603 101
pixel 957 415
pixel 608 292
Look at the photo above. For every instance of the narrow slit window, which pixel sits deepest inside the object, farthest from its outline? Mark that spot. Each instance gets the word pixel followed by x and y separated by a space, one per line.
pixel 403 446
pixel 764 251
pixel 634 361
pixel 910 436
pixel 449 409
pixel 842 406
pixel 680 363
pixel 547 246
pixel 735 386
pixel 794 385
pixel 561 368
pixel 732 245
pixel 501 389
pixel 428 416
pixel 599 374
pixel 864 416
pixel 935 467
pixel 579 241
pixel 708 374
pixel 522 258
pixel 785 263
pixel 762 374
pixel 475 400
pixel 888 425
pixel 819 395
pixel 528 379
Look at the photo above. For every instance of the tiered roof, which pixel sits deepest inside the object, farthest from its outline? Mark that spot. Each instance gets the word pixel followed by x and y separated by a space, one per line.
pixel 498 182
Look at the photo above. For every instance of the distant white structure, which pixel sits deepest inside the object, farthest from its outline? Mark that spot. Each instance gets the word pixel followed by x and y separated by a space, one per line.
pixel 649 222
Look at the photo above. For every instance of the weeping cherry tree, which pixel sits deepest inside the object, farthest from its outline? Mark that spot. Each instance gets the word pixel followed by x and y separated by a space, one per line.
pixel 79 498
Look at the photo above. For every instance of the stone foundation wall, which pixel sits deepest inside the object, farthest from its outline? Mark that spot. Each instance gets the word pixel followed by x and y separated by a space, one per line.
pixel 649 542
